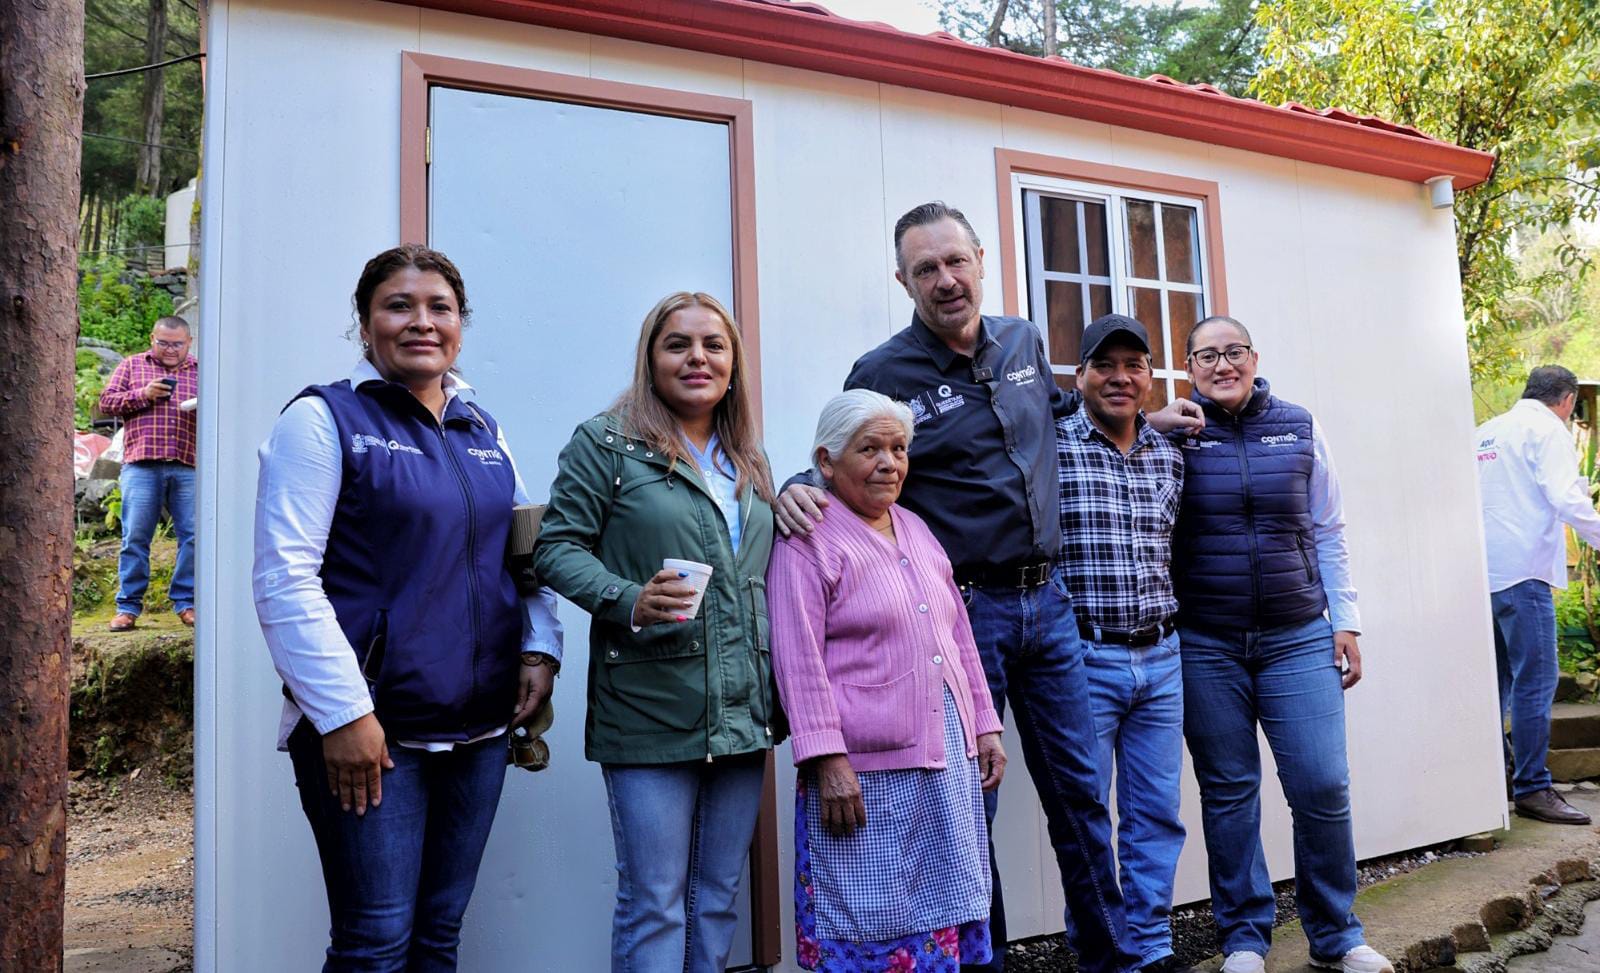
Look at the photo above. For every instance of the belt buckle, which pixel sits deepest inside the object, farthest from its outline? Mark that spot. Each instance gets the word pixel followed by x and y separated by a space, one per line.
pixel 1033 575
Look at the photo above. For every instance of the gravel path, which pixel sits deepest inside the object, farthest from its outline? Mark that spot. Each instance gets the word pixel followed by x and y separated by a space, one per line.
pixel 130 877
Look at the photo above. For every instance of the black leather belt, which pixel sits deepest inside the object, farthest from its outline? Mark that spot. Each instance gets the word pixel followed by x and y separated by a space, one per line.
pixel 1144 638
pixel 1030 574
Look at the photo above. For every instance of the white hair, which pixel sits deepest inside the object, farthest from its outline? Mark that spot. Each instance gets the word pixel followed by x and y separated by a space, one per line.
pixel 844 415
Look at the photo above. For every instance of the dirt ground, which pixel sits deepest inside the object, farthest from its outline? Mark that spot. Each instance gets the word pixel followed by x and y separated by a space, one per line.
pixel 130 877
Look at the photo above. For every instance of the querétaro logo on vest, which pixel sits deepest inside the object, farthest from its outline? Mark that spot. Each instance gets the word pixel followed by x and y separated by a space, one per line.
pixel 1287 439
pixel 360 442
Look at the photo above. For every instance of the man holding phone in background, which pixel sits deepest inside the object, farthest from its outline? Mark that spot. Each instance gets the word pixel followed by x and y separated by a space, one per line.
pixel 158 440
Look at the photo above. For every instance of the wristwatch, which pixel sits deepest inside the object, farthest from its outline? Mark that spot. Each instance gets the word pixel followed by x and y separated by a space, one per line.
pixel 542 659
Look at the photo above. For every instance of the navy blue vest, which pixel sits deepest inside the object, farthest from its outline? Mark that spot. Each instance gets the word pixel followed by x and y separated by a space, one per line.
pixel 415 562
pixel 1243 551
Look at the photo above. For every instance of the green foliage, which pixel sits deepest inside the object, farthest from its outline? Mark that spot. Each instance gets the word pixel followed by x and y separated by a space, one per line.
pixel 114 38
pixel 118 308
pixel 1217 43
pixel 113 506
pixel 1559 324
pixel 89 379
pixel 1517 78
pixel 1575 646
pixel 143 221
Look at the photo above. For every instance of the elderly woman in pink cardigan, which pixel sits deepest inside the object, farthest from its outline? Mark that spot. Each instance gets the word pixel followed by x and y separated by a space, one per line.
pixel 893 728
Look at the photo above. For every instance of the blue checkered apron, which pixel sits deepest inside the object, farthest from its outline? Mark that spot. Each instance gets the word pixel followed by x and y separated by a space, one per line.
pixel 920 864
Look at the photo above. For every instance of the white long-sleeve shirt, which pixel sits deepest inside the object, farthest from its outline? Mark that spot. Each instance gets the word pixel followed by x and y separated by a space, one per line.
pixel 1327 531
pixel 296 493
pixel 1529 481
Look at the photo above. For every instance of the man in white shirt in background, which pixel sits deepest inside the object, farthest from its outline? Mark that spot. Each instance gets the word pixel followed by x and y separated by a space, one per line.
pixel 1528 477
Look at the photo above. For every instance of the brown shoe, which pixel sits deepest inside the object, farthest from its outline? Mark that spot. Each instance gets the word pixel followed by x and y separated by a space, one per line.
pixel 124 622
pixel 187 617
pixel 1547 805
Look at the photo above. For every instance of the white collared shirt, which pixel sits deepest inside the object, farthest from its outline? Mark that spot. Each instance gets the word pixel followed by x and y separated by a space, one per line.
pixel 1327 531
pixel 1529 481
pixel 296 493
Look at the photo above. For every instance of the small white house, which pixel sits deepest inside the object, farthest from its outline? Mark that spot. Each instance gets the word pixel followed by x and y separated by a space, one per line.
pixel 580 158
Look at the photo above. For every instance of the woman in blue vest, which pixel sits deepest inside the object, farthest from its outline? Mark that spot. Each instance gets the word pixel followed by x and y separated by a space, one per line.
pixel 382 514
pixel 682 711
pixel 1260 567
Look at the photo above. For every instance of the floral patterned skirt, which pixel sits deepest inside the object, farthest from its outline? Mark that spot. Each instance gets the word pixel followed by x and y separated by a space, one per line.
pixel 910 891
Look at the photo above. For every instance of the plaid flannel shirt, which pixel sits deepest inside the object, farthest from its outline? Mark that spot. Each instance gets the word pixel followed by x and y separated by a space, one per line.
pixel 152 430
pixel 1117 513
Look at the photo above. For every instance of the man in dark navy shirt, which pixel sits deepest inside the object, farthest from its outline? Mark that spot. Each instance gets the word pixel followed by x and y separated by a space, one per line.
pixel 983 475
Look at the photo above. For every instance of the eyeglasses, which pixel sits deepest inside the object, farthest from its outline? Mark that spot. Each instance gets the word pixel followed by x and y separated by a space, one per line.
pixel 1207 357
pixel 170 345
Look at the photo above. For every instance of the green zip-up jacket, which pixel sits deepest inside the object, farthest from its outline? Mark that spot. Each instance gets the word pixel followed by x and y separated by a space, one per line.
pixel 673 692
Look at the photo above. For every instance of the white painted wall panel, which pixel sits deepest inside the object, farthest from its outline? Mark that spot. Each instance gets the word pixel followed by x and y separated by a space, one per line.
pixel 1347 281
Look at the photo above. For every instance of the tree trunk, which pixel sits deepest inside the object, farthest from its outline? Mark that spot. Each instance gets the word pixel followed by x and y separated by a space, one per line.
pixel 1050 28
pixel 148 177
pixel 992 35
pixel 41 125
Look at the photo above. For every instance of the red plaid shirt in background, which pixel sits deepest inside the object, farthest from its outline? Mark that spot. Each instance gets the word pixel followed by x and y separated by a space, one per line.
pixel 153 430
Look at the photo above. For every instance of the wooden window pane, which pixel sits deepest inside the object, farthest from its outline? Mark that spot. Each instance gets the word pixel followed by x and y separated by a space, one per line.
pixel 1058 232
pixel 1180 237
pixel 1094 231
pixel 1183 310
pixel 1157 399
pixel 1146 308
pixel 1185 388
pixel 1066 382
pixel 1064 302
pixel 1142 239
pixel 1099 300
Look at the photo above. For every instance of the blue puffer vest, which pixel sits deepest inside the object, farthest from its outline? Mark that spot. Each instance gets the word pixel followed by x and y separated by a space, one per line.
pixel 415 561
pixel 1243 551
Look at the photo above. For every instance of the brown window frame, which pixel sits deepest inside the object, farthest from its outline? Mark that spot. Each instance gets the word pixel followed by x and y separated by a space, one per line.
pixel 1010 162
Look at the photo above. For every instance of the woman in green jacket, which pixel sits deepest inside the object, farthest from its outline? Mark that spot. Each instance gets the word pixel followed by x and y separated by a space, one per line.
pixel 681 704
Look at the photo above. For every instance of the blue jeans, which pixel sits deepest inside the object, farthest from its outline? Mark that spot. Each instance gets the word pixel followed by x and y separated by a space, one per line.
pixel 1525 656
pixel 1286 680
pixel 1137 695
pixel 682 833
pixel 147 487
pixel 399 878
pixel 1028 640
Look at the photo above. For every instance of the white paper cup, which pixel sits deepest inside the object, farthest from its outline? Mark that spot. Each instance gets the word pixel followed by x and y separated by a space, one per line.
pixel 699 575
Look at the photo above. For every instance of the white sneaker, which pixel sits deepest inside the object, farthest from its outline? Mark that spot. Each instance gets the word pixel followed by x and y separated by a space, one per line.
pixel 1362 959
pixel 1246 962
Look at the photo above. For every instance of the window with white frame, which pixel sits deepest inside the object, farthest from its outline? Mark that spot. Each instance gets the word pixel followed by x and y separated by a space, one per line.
pixel 1094 250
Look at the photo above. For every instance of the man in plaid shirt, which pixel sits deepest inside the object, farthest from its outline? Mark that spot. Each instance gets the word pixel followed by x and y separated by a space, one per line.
pixel 1120 486
pixel 157 464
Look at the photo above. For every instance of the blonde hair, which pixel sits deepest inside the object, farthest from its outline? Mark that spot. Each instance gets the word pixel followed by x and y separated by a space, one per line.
pixel 645 417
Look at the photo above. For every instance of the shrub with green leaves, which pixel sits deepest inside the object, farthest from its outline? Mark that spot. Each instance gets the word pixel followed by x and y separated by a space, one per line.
pixel 89 380
pixel 116 307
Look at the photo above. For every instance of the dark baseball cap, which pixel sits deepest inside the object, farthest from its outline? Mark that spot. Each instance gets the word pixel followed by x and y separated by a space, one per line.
pixel 1108 326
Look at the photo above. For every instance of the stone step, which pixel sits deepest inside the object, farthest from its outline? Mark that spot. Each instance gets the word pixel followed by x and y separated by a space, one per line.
pixel 1574 726
pixel 1578 764
pixel 1572 687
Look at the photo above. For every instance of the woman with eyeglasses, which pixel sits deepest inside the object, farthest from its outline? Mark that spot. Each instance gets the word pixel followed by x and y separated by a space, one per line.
pixel 1268 622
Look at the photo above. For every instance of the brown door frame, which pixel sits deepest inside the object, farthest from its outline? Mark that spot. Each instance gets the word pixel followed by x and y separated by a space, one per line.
pixel 419 73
